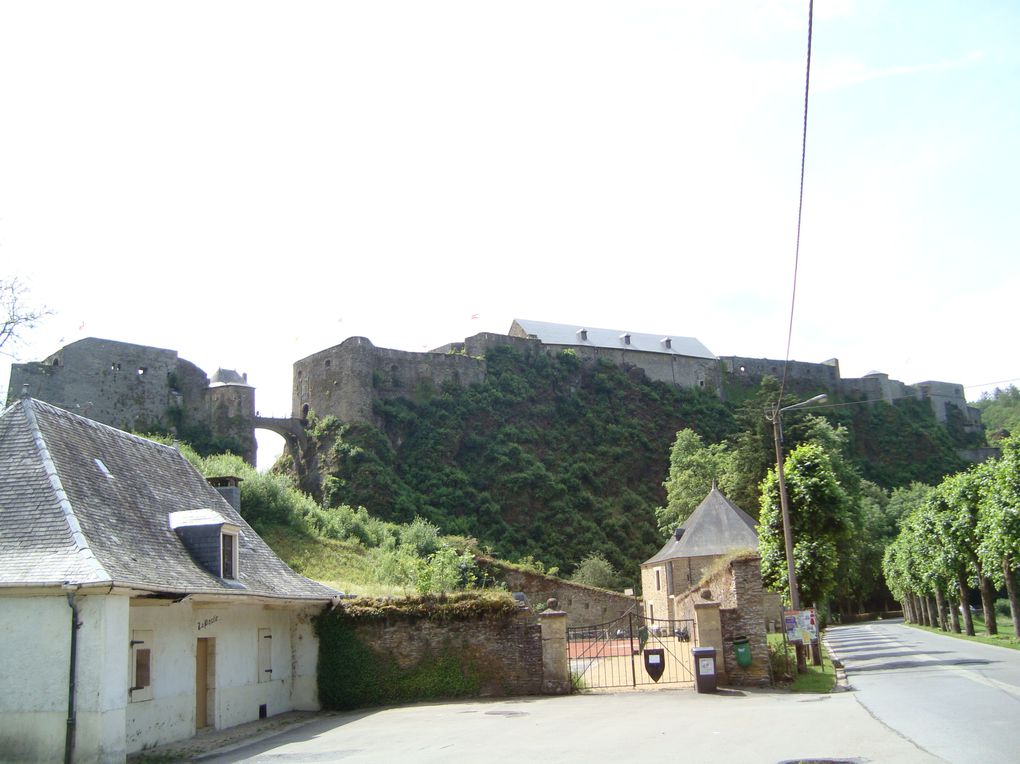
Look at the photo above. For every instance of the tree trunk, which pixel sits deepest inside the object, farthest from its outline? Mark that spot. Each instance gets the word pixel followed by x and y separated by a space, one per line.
pixel 988 604
pixel 921 610
pixel 930 618
pixel 968 622
pixel 1014 605
pixel 954 614
pixel 940 608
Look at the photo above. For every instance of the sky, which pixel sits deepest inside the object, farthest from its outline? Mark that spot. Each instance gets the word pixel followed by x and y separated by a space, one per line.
pixel 251 182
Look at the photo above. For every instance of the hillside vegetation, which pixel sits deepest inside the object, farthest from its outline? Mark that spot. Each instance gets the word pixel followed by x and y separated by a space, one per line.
pixel 556 460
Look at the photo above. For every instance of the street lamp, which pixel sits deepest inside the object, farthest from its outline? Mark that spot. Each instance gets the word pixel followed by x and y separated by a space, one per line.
pixel 784 502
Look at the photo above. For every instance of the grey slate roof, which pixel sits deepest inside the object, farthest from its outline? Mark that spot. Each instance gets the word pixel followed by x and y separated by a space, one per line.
pixel 717 526
pixel 566 334
pixel 84 503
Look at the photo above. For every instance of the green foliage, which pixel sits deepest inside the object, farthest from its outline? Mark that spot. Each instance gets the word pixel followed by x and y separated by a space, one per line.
pixel 693 468
pixel 550 458
pixel 351 675
pixel 596 570
pixel 898 444
pixel 820 521
pixel 1000 411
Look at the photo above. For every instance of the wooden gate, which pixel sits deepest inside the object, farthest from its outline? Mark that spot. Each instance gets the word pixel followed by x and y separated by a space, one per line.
pixel 632 651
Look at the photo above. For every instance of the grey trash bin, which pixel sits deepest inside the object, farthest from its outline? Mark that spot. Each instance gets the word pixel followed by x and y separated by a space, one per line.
pixel 704 668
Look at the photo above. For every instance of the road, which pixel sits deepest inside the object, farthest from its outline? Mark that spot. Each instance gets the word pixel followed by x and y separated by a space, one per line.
pixel 955 699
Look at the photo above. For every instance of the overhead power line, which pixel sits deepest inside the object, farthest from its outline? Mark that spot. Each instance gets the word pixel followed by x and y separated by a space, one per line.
pixel 800 204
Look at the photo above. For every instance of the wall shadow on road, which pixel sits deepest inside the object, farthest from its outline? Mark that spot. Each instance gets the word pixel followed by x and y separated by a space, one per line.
pixel 851 655
pixel 896 665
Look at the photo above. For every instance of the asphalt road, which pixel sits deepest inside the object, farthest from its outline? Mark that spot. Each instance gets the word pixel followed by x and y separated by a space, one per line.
pixel 955 699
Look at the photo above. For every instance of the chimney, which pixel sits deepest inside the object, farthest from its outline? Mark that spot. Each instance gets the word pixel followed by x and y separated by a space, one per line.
pixel 229 487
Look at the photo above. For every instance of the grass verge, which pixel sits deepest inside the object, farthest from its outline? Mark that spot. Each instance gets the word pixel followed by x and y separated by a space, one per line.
pixel 1005 637
pixel 784 662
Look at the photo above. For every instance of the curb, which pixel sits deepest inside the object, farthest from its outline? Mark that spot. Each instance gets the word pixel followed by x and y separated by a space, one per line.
pixel 842 684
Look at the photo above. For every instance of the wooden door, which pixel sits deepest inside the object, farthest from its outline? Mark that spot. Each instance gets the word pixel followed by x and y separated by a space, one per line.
pixel 201 683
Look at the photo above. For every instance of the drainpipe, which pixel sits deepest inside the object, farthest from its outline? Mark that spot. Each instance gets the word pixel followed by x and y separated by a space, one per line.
pixel 72 718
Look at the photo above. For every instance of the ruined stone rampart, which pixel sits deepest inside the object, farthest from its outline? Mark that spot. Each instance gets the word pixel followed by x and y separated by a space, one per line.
pixel 345 380
pixel 139 389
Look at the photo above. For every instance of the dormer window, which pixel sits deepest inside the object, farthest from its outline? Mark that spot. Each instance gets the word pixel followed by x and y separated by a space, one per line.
pixel 582 335
pixel 625 338
pixel 667 342
pixel 211 539
pixel 228 554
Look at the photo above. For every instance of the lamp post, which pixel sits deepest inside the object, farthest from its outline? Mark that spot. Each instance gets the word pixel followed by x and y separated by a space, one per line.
pixel 784 502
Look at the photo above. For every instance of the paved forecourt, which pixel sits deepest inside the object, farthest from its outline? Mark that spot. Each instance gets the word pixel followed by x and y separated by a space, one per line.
pixel 734 725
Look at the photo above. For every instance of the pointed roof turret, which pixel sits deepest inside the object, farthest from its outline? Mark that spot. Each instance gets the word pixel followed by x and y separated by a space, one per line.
pixel 716 527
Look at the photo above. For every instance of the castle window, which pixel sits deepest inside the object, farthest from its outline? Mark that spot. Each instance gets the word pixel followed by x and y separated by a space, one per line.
pixel 328 362
pixel 142 371
pixel 114 366
pixel 56 362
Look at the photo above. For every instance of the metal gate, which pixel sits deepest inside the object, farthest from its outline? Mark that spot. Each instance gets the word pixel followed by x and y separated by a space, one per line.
pixel 632 651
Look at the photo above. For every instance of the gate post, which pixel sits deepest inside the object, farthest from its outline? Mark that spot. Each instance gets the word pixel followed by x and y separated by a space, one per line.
pixel 555 666
pixel 709 623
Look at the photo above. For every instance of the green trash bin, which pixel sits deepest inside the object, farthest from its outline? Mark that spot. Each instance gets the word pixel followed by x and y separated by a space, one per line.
pixel 742 649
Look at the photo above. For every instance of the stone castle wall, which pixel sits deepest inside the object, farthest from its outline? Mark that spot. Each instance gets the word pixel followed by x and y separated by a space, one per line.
pixel 345 380
pixel 137 388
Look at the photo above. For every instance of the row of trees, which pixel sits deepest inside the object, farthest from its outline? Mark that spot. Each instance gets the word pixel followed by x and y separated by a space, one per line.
pixel 962 534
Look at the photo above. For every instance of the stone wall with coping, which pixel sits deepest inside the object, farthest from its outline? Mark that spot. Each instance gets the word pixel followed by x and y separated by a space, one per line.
pixel 506 652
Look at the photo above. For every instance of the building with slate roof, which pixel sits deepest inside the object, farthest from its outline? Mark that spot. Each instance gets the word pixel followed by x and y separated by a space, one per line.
pixel 680 361
pixel 137 604
pixel 716 528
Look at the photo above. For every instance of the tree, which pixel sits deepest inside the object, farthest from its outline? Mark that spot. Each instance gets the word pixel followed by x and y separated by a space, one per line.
pixel 596 570
pixel 693 467
pixel 999 523
pixel 963 494
pixel 820 522
pixel 16 313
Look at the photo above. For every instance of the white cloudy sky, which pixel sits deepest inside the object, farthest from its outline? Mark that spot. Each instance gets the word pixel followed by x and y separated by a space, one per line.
pixel 250 182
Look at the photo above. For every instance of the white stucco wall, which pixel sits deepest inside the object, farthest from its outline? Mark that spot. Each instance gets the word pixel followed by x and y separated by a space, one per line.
pixel 35 659
pixel 237 692
pixel 33 704
pixel 35 649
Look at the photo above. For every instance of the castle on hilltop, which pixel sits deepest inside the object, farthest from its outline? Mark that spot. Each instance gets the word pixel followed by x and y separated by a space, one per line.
pixel 142 389
pixel 133 386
